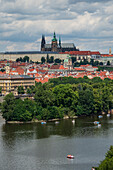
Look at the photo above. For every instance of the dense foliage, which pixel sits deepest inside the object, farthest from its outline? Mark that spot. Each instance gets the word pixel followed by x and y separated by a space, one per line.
pixel 109 68
pixel 61 97
pixel 107 163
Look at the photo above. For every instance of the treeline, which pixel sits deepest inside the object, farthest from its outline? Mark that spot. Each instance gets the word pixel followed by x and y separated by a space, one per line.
pixel 24 59
pixel 61 97
pixel 51 59
pixel 85 61
pixel 107 163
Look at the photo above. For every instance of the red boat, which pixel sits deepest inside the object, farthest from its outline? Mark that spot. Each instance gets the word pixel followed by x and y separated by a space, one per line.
pixel 70 156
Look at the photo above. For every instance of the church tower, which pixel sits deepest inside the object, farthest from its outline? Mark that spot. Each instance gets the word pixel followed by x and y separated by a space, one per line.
pixel 109 51
pixel 43 42
pixel 54 44
pixel 60 45
pixel 59 42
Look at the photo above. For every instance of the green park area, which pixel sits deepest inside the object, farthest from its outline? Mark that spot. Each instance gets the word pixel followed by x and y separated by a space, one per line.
pixel 64 96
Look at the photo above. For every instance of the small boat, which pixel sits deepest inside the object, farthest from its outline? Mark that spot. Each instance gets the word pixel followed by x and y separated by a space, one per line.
pixel 100 116
pixel 43 123
pixel 108 115
pixel 99 125
pixel 73 121
pixel 70 156
pixel 96 122
pixel 56 122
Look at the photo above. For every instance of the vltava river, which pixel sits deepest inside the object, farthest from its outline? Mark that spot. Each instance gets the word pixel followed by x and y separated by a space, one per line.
pixel 45 147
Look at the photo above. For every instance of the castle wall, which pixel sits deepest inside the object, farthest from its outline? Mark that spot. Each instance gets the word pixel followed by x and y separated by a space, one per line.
pixel 34 57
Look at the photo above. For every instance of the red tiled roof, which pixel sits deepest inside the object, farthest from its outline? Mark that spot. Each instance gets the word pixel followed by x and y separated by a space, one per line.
pixel 79 69
pixel 42 80
pixel 81 52
pixel 87 65
pixel 107 55
pixel 95 67
pixel 61 67
pixel 2 72
pixel 94 53
pixel 55 67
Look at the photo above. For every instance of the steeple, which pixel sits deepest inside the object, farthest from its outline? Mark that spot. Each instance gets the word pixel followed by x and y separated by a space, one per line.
pixel 54 37
pixel 59 41
pixel 43 42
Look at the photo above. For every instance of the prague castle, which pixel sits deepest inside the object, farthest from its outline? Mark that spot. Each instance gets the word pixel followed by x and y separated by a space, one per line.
pixel 56 46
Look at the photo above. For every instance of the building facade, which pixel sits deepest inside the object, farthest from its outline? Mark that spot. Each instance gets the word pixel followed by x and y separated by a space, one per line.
pixel 10 83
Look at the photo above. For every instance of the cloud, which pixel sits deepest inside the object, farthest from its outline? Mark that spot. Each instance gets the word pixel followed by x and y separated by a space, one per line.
pixel 23 22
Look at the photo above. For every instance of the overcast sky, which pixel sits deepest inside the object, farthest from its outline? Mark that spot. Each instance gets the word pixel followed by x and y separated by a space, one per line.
pixel 87 23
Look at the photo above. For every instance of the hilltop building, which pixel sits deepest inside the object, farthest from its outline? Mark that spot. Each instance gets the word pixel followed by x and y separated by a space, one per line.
pixel 56 46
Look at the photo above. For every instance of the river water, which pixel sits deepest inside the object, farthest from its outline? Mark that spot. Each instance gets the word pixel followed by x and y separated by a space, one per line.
pixel 39 147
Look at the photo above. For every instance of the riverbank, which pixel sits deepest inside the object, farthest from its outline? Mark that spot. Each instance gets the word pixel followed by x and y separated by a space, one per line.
pixel 57 119
pixel 39 121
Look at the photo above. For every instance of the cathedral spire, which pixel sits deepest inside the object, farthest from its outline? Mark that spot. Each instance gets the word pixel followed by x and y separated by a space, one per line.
pixel 54 35
pixel 43 42
pixel 59 41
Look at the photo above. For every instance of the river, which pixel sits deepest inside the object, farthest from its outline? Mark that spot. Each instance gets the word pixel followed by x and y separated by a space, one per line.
pixel 39 147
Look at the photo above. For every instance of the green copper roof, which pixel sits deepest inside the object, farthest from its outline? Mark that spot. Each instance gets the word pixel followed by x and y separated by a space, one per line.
pixel 69 56
pixel 66 60
pixel 54 37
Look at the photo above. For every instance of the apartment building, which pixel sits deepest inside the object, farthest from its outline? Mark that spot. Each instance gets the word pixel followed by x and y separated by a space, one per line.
pixel 10 83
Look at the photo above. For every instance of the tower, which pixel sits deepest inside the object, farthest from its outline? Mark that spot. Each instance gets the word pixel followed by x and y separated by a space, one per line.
pixel 59 42
pixel 54 43
pixel 43 42
pixel 110 51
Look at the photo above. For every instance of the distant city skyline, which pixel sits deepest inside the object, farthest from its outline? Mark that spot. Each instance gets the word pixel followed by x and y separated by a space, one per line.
pixel 87 24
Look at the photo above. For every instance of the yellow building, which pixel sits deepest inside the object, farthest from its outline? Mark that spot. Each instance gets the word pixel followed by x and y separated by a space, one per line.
pixel 11 83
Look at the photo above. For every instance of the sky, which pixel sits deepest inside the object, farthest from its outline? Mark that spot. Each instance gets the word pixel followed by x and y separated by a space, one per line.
pixel 86 23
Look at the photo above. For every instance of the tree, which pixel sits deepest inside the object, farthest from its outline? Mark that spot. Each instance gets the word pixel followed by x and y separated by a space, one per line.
pixel 0 89
pixel 20 90
pixel 43 60
pixel 51 60
pixel 18 59
pixel 47 58
pixel 26 59
pixel 96 80
pixel 28 91
pixel 101 63
pixel 27 116
pixel 65 96
pixel 2 69
pixel 57 60
pixel 107 163
pixel 97 101
pixel 85 102
pixel 8 107
pixel 108 63
pixel 29 105
pixel 105 99
pixel 73 59
pixel 44 97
